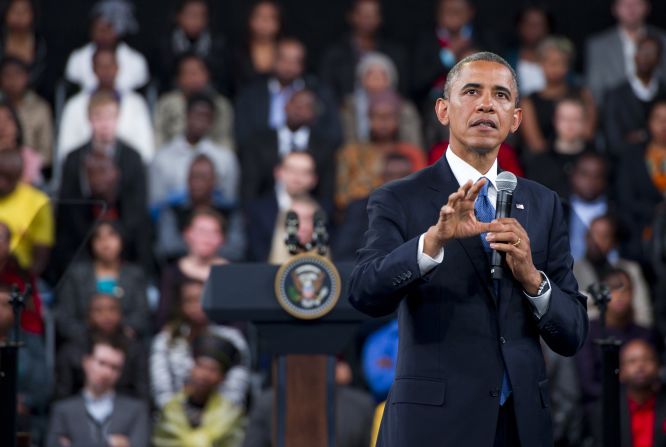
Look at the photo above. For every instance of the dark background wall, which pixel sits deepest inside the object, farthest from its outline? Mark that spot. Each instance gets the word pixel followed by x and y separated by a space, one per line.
pixel 318 22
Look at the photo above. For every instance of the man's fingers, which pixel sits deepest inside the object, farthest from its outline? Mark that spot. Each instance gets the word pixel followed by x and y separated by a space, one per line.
pixel 476 187
pixel 504 236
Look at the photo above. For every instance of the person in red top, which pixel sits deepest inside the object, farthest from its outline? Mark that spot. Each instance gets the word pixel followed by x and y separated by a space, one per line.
pixel 643 405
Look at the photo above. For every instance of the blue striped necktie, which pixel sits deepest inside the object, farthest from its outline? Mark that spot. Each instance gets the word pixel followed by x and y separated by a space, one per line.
pixel 485 212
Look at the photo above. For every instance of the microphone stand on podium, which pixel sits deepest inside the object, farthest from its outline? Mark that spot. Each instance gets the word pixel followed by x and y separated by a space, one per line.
pixel 9 371
pixel 610 361
pixel 303 319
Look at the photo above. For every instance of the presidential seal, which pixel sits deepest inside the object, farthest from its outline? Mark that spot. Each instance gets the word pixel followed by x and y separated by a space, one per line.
pixel 308 286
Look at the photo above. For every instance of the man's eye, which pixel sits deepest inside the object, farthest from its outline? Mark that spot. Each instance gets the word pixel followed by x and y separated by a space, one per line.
pixel 471 91
pixel 501 95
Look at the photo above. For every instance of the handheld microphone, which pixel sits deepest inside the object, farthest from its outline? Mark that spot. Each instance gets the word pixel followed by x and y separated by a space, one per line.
pixel 291 239
pixel 506 184
pixel 320 233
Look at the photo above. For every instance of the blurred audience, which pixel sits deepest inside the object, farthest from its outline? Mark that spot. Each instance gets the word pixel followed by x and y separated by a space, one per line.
pixel 556 56
pixel 339 66
pixel 609 55
pixel 169 169
pixel 132 117
pixel 11 138
pixel 176 211
pixel 34 113
pixel 255 56
pixel 98 415
pixel 379 358
pixel 192 34
pixel 104 318
pixel 376 74
pixel 27 213
pixel 110 22
pixel 601 255
pixel 261 105
pixel 360 164
pixel 299 133
pixel 198 414
pixel 192 76
pixel 172 357
pixel 105 273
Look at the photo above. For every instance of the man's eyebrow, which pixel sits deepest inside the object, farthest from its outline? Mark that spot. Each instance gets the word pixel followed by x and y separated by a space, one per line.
pixel 471 85
pixel 497 88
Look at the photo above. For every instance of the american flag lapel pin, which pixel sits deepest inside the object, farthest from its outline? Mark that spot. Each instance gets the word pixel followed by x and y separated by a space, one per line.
pixel 520 206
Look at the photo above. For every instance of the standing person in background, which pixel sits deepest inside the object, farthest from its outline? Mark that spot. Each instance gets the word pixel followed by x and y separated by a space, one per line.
pixel 192 34
pixel 255 57
pixel 110 21
pixel 339 65
pixel 609 55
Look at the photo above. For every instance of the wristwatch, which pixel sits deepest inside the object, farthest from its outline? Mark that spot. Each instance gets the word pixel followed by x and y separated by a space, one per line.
pixel 544 286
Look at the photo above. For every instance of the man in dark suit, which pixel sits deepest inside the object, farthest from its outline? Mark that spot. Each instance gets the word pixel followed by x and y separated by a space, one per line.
pixel 470 369
pixel 262 153
pixel 98 416
pixel 260 105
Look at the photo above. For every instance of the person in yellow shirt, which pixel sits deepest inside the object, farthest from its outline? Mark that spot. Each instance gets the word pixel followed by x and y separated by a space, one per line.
pixel 27 213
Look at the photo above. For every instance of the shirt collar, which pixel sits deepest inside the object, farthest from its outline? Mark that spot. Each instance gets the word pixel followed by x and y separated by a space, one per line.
pixel 643 92
pixel 648 405
pixel 463 171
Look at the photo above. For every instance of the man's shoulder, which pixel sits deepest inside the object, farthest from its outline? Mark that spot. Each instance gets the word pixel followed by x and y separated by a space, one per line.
pixel 68 404
pixel 604 38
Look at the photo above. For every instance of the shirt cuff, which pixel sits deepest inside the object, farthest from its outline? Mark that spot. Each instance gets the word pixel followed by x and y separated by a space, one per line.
pixel 540 302
pixel 426 263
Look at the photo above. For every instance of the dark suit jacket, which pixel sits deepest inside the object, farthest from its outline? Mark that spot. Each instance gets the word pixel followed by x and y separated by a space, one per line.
pixel 260 155
pixel 74 211
pixel 338 66
pixel 455 334
pixel 349 236
pixel 260 217
pixel 253 108
pixel 69 419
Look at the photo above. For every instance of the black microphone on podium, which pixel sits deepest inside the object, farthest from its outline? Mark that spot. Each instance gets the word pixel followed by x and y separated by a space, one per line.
pixel 291 239
pixel 320 233
pixel 506 183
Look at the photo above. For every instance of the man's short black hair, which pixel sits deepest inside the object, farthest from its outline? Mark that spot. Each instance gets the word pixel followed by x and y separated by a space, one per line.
pixel 485 56
pixel 115 341
pixel 201 98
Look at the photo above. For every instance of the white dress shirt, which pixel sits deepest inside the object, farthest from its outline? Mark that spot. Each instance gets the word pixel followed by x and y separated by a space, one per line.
pixel 290 141
pixel 99 408
pixel 464 172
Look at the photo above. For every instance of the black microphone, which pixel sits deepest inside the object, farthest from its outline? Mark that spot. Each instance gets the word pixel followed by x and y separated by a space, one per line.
pixel 291 239
pixel 506 183
pixel 320 233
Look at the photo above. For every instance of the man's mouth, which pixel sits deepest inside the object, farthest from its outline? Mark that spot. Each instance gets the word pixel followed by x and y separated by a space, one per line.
pixel 484 123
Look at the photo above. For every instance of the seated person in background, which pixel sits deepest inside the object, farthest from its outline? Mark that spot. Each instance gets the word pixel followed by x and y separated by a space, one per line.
pixel 27 213
pixel 552 168
pixel 379 357
pixel 556 55
pixel 11 273
pixel 339 66
pixel 602 254
pixel 192 76
pixel 33 381
pixel 104 318
pixel 105 273
pixel 171 357
pixel 104 179
pixel 641 184
pixel 360 164
pixel 198 415
pixel 98 415
pixel 349 235
pixel 33 111
pixel 642 401
pixel 261 105
pixel 619 324
pixel 626 106
pixel 376 74
pixel 204 236
pixel 353 414
pixel 110 22
pixel 133 118
pixel 192 34
pixel 11 138
pixel 201 193
pixel 169 169
pixel 295 176
pixel 587 200
pixel 265 150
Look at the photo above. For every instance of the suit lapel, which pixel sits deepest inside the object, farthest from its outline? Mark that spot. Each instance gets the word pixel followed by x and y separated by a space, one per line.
pixel 443 183
pixel 519 209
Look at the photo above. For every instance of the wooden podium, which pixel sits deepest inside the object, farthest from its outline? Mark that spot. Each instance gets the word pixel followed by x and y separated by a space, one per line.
pixel 304 366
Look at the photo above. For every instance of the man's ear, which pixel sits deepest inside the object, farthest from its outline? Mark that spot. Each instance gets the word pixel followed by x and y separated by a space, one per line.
pixel 442 111
pixel 517 119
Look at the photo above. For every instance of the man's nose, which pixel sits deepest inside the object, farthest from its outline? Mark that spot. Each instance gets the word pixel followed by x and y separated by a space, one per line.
pixel 485 103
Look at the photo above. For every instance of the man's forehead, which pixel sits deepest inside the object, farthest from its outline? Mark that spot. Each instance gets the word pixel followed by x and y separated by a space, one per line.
pixel 485 73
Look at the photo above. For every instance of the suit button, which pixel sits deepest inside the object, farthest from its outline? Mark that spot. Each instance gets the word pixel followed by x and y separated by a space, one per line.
pixel 502 340
pixel 494 393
